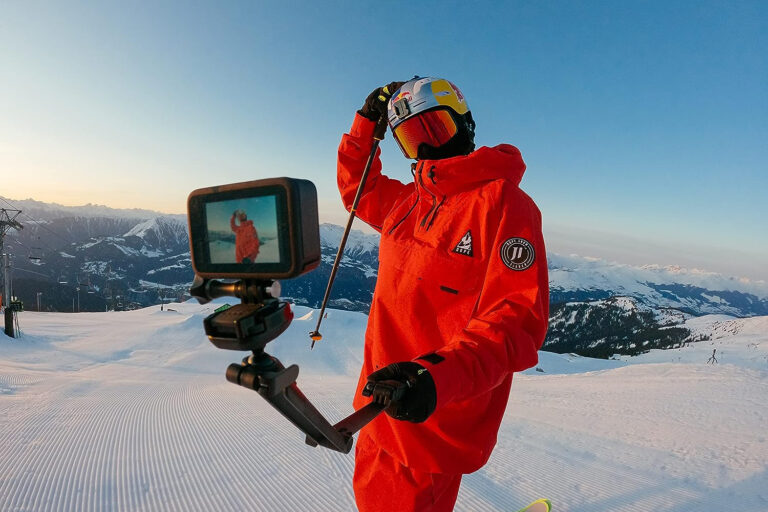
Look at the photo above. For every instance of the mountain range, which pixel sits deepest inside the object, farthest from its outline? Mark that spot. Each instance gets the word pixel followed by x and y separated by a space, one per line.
pixel 94 258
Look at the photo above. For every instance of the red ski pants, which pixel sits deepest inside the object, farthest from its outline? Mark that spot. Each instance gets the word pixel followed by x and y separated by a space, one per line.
pixel 383 484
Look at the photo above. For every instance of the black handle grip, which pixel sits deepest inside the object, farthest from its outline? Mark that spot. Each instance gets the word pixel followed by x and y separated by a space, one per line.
pixel 381 128
pixel 385 391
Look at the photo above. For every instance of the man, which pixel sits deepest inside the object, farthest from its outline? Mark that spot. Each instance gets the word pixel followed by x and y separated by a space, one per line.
pixel 246 239
pixel 461 299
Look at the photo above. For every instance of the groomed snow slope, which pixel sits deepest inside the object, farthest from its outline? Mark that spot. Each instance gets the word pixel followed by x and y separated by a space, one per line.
pixel 130 411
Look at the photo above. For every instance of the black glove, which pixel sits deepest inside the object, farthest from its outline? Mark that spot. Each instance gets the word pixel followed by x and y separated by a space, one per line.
pixel 420 396
pixel 376 103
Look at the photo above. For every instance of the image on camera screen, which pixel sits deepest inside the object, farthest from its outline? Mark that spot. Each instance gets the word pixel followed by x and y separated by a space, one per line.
pixel 243 230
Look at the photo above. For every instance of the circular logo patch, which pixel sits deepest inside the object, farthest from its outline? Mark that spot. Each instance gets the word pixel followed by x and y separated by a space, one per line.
pixel 517 253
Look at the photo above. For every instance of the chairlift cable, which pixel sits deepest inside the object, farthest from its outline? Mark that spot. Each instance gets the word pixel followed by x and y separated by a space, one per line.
pixel 17 269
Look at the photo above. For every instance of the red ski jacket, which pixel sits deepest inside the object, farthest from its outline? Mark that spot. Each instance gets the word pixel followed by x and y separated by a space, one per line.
pixel 246 240
pixel 462 289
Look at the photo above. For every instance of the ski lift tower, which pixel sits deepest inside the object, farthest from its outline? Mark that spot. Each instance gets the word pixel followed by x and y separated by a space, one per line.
pixel 7 221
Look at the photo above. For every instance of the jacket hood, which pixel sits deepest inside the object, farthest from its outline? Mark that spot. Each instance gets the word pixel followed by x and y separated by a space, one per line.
pixel 485 164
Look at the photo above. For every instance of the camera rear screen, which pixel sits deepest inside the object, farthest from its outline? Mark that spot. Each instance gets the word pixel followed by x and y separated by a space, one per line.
pixel 243 231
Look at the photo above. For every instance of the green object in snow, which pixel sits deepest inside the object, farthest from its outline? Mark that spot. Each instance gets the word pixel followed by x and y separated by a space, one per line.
pixel 222 308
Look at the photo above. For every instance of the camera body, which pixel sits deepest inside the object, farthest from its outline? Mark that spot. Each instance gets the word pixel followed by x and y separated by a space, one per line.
pixel 258 230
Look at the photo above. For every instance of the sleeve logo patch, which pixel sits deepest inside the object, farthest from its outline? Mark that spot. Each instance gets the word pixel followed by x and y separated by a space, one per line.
pixel 517 253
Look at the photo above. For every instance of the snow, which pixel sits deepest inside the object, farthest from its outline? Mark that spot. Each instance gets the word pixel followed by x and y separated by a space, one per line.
pixel 168 267
pixel 142 228
pixel 357 242
pixel 738 341
pixel 714 298
pixel 182 257
pixel 670 316
pixel 153 285
pixel 117 243
pixel 223 251
pixel 628 305
pixel 128 251
pixel 131 411
pixel 151 253
pixel 95 267
pixel 572 272
pixel 164 230
pixel 348 262
pixel 90 244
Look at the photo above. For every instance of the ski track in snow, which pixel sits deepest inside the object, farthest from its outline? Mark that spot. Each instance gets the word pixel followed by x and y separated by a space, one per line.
pixel 131 411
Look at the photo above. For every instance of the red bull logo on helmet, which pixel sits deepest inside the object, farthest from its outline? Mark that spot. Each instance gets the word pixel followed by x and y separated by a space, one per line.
pixel 400 95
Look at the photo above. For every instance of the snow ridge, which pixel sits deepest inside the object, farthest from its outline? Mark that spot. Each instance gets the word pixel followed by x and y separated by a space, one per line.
pixel 160 231
pixel 47 210
pixel 358 243
pixel 576 272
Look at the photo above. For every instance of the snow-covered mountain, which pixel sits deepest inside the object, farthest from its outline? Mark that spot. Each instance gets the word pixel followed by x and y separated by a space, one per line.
pixel 116 262
pixel 356 279
pixel 574 278
pixel 360 246
pixel 600 309
pixel 617 325
pixel 160 231
pixel 130 258
pixel 123 262
pixel 46 211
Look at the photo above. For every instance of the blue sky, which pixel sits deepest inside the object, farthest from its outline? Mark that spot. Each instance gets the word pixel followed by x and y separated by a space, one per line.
pixel 261 210
pixel 643 124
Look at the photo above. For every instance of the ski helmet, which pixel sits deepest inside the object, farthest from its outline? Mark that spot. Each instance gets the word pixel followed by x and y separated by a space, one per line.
pixel 430 119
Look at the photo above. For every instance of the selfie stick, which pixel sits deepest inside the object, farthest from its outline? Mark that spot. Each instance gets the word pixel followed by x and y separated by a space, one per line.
pixel 251 325
pixel 378 136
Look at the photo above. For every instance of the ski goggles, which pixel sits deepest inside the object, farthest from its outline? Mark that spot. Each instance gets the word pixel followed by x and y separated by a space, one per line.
pixel 434 128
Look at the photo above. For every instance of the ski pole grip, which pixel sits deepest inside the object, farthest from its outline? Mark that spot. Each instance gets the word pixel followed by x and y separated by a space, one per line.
pixel 381 128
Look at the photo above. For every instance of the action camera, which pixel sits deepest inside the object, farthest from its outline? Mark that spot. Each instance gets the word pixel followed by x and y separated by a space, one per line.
pixel 263 229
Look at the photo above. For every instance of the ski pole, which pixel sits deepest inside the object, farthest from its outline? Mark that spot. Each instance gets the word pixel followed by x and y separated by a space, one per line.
pixel 378 136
